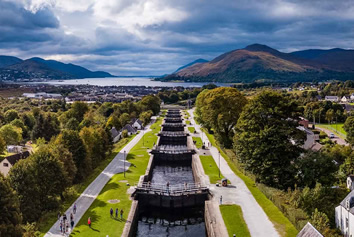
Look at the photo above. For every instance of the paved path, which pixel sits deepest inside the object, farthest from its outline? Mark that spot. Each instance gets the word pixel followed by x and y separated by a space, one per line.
pixel 93 190
pixel 336 139
pixel 257 221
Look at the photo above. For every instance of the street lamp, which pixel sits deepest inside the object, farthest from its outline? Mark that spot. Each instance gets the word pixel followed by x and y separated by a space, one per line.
pixel 124 163
pixel 219 164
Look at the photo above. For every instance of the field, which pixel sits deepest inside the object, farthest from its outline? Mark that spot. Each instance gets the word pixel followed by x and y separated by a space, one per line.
pixel 211 169
pixel 335 128
pixel 102 223
pixel 233 218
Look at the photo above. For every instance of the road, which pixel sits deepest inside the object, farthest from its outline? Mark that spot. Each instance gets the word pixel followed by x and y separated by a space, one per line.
pixel 336 139
pixel 257 221
pixel 93 190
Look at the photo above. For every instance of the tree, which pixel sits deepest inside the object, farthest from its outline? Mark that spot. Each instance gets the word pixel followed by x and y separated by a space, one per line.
pixel 222 108
pixel 124 119
pixel 11 134
pixel 78 110
pixel 11 217
pixel 72 141
pixel 267 140
pixel 11 115
pixel 72 124
pixel 46 126
pixel 151 102
pixel 320 221
pixel 349 128
pixel 113 121
pixel 145 117
pixel 316 167
pixel 65 156
pixel 2 145
pixel 330 115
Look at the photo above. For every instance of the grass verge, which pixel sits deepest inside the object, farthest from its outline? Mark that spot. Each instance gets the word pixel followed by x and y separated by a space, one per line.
pixel 102 223
pixel 336 129
pixel 211 169
pixel 233 218
pixel 48 219
pixel 198 142
pixel 191 129
pixel 281 223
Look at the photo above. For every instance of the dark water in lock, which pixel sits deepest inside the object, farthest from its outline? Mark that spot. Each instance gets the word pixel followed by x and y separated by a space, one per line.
pixel 162 174
pixel 169 222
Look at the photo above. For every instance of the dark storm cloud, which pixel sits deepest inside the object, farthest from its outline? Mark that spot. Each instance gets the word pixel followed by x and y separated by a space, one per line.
pixel 157 36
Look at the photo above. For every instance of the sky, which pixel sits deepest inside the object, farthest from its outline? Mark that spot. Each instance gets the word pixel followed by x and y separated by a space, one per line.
pixel 155 37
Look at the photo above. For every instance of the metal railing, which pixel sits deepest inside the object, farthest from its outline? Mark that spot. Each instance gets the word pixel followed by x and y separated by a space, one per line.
pixel 165 189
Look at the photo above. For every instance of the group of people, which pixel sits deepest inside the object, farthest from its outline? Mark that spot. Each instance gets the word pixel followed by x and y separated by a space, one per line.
pixel 117 211
pixel 64 222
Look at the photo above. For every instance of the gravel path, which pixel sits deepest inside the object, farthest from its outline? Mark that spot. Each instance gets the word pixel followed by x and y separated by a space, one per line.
pixel 257 221
pixel 93 190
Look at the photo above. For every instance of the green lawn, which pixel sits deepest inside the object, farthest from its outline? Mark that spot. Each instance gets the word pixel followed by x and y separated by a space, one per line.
pixel 48 219
pixel 211 169
pixel 233 218
pixel 198 142
pixel 188 122
pixel 335 128
pixel 281 223
pixel 191 129
pixel 102 223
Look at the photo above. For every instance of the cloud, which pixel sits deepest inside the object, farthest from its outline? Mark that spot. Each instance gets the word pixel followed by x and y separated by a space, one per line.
pixel 146 37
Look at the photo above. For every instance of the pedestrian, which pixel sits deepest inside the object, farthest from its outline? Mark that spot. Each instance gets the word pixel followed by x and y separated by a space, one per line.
pixel 168 186
pixel 61 227
pixel 116 212
pixel 64 217
pixel 220 200
pixel 121 213
pixel 67 227
pixel 72 224
pixel 111 212
pixel 71 217
pixel 75 208
pixel 89 222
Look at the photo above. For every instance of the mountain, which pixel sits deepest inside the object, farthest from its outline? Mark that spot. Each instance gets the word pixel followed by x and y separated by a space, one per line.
pixel 261 62
pixel 12 68
pixel 8 60
pixel 199 60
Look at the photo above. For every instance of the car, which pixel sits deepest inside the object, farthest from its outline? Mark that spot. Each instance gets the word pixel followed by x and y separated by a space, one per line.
pixel 331 135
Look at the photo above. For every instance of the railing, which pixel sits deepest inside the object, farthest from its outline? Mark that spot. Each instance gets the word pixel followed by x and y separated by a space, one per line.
pixel 166 189
pixel 173 133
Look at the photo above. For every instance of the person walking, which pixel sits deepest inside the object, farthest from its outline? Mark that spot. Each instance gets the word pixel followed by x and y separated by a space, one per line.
pixel 89 222
pixel 71 217
pixel 220 200
pixel 111 212
pixel 64 217
pixel 116 212
pixel 67 227
pixel 121 214
pixel 72 225
pixel 75 208
pixel 61 227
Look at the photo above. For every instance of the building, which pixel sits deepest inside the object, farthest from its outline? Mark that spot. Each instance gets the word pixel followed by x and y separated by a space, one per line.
pixel 344 215
pixel 312 139
pixel 137 124
pixel 309 231
pixel 10 161
pixel 352 97
pixel 14 149
pixel 350 183
pixel 345 99
pixel 129 128
pixel 115 135
pixel 332 98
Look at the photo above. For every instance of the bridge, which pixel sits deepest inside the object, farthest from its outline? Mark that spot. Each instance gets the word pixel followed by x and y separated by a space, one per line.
pixel 171 190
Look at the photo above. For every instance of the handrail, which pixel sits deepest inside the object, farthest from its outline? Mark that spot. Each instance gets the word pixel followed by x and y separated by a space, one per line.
pixel 170 189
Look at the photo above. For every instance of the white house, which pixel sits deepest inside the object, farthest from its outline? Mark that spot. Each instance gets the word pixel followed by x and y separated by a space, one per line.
pixel 137 124
pixel 350 183
pixel 352 97
pixel 14 149
pixel 332 98
pixel 115 135
pixel 309 231
pixel 345 99
pixel 344 215
pixel 131 130
pixel 10 161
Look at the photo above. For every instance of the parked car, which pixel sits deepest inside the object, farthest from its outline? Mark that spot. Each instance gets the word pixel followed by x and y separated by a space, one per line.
pixel 331 135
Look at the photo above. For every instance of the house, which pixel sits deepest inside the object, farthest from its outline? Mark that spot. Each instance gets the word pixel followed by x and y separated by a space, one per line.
pixel 345 99
pixel 350 183
pixel 352 97
pixel 137 124
pixel 129 128
pixel 332 98
pixel 344 215
pixel 10 161
pixel 309 231
pixel 311 139
pixel 115 135
pixel 14 149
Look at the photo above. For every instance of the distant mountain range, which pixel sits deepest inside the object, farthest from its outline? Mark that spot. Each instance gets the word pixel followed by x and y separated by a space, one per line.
pixel 199 60
pixel 259 62
pixel 12 68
